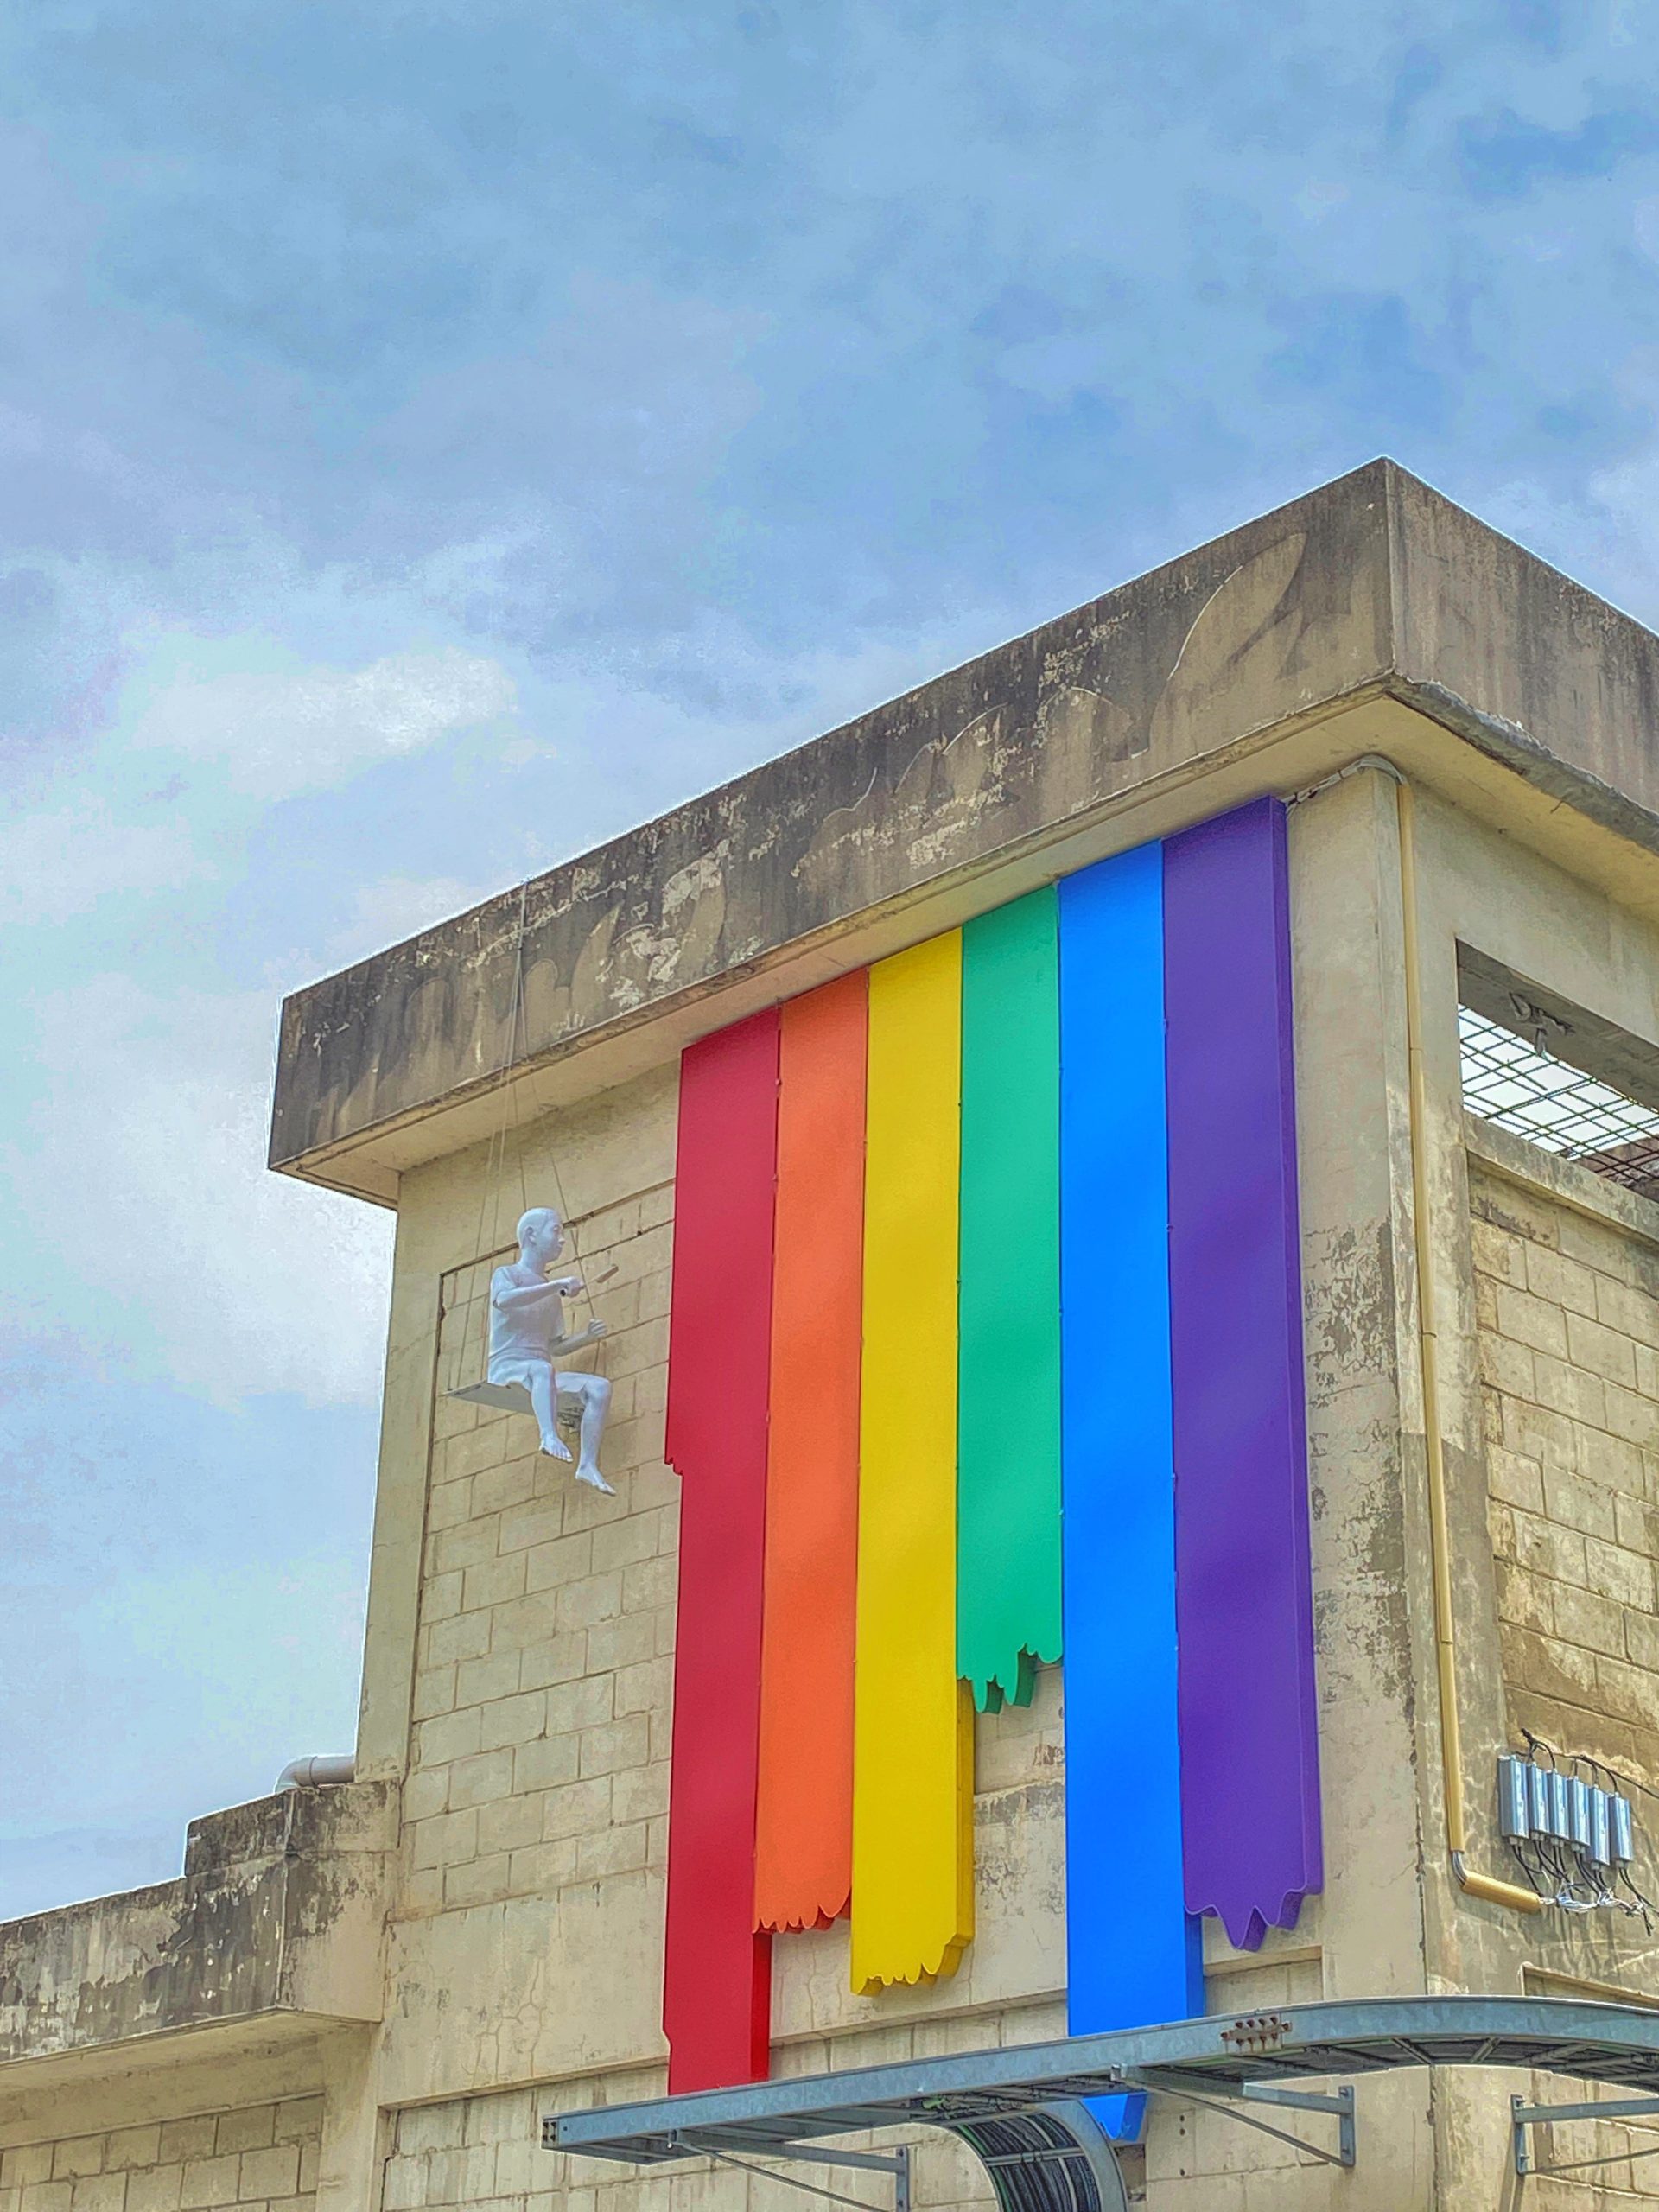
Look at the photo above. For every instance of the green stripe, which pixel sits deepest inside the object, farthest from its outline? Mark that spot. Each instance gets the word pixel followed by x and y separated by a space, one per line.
pixel 1008 1371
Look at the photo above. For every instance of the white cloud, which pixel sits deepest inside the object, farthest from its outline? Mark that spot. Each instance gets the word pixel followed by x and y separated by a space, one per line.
pixel 59 864
pixel 149 1184
pixel 279 732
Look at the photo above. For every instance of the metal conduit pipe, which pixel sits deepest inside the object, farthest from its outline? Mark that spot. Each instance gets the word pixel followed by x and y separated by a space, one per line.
pixel 1439 1542
pixel 324 1767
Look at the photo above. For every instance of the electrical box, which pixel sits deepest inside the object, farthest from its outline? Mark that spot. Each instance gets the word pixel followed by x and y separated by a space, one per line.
pixel 1561 1816
pixel 1538 1797
pixel 1624 1825
pixel 1513 1819
pixel 1583 1825
pixel 1601 1827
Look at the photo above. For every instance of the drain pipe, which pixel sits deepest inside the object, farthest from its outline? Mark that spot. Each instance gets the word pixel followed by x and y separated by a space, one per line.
pixel 1439 1543
pixel 326 1767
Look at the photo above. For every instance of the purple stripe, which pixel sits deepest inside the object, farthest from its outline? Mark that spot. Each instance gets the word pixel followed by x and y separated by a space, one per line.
pixel 1244 1596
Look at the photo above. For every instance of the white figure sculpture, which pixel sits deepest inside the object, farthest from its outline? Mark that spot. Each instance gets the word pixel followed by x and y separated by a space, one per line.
pixel 525 1318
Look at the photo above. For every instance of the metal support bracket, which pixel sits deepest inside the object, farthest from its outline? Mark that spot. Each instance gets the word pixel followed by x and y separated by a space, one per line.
pixel 1338 2103
pixel 896 2162
pixel 1523 2115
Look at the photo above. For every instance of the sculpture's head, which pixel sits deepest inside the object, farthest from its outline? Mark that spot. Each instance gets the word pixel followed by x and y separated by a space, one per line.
pixel 541 1236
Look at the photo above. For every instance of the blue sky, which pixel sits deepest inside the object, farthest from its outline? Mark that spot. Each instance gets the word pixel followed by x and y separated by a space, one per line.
pixel 435 436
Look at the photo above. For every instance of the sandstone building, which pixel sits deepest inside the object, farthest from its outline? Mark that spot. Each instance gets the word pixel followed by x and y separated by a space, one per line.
pixel 368 1997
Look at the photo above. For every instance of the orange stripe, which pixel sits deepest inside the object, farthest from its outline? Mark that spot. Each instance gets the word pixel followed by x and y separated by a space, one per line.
pixel 804 1827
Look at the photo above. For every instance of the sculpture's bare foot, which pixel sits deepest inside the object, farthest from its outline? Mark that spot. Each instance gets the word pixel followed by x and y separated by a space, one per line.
pixel 594 1479
pixel 554 1448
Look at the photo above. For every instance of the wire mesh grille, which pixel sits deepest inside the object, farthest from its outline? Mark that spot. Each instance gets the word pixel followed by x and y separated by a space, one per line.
pixel 1521 1087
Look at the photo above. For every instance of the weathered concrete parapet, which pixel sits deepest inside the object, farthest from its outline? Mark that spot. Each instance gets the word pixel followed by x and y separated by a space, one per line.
pixel 280 1911
pixel 1275 619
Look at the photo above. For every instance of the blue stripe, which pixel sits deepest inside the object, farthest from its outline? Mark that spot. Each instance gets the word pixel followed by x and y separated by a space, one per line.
pixel 1132 1953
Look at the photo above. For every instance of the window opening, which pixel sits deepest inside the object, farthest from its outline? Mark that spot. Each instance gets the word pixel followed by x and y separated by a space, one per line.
pixel 1567 1081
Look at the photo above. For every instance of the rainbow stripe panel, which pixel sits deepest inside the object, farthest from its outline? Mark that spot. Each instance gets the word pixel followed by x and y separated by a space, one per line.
pixel 986 1354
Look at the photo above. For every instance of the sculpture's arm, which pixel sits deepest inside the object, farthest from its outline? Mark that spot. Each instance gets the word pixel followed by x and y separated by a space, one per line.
pixel 530 1294
pixel 582 1338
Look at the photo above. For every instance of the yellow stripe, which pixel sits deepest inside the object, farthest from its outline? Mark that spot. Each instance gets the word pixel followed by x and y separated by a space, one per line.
pixel 914 1743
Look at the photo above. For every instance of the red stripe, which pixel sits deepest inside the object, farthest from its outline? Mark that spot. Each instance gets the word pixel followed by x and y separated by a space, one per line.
pixel 717 1976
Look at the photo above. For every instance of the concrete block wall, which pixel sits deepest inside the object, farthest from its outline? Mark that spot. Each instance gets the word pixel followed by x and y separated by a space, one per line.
pixel 525 1964
pixel 542 1688
pixel 260 2158
pixel 1566 1273
pixel 1569 1319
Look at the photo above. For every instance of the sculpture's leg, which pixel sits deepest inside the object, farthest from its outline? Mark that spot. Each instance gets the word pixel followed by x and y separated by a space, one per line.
pixel 595 1392
pixel 544 1404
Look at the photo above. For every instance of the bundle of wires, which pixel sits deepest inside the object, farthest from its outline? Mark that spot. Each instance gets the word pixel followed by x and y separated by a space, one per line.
pixel 1563 1874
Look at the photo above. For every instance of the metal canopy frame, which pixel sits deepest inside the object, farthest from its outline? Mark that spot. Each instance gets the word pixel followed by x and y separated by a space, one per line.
pixel 1022 2111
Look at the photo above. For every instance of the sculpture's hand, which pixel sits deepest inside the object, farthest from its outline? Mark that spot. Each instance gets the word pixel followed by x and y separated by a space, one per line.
pixel 596 1329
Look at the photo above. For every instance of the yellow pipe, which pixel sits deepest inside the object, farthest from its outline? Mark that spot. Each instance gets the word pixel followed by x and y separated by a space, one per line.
pixel 1478 1885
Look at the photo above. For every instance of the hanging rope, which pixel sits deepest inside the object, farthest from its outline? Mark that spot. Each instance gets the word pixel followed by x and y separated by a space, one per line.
pixel 495 1158
pixel 495 1170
